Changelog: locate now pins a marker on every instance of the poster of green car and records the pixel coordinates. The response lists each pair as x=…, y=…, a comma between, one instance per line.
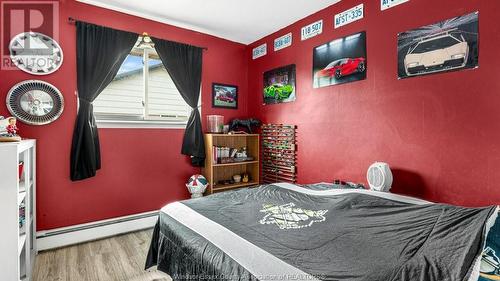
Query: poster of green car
x=279, y=85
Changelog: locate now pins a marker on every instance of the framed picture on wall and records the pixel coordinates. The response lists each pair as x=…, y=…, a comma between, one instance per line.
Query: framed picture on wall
x=445, y=46
x=279, y=85
x=224, y=96
x=340, y=61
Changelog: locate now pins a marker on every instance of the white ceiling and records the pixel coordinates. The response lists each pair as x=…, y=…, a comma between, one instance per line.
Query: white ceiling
x=241, y=21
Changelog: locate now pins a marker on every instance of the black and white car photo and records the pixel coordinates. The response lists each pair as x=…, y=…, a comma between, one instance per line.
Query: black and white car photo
x=436, y=53
x=445, y=46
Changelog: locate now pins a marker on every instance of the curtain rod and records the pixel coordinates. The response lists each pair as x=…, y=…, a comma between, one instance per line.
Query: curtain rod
x=73, y=21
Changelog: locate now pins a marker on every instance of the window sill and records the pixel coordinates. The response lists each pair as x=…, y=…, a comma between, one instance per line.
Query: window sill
x=114, y=124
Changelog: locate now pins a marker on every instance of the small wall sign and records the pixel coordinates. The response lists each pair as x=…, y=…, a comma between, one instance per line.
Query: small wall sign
x=259, y=51
x=314, y=29
x=283, y=42
x=349, y=16
x=386, y=4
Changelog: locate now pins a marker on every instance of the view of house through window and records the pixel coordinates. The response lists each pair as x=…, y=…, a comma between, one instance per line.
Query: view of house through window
x=141, y=91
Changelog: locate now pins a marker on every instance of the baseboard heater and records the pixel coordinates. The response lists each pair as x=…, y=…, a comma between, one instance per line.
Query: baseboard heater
x=76, y=234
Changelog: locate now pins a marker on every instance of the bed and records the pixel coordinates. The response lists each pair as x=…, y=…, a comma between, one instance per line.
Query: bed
x=290, y=232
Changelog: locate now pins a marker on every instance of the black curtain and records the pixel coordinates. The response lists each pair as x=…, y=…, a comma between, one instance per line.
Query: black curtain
x=100, y=53
x=183, y=63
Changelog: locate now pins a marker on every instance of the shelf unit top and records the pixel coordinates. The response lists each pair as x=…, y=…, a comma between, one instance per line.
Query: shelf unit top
x=22, y=145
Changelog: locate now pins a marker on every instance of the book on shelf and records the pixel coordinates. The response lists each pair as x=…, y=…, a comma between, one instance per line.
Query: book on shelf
x=225, y=155
x=22, y=215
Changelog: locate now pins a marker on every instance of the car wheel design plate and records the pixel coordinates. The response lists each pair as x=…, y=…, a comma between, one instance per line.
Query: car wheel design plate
x=35, y=102
x=35, y=53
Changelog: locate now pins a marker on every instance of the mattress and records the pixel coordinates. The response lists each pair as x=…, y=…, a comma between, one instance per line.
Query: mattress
x=287, y=232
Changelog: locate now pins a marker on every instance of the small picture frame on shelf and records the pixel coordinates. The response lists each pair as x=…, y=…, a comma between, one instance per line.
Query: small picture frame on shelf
x=224, y=96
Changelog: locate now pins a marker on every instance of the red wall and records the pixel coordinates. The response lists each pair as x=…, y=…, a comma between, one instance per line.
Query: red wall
x=440, y=133
x=142, y=168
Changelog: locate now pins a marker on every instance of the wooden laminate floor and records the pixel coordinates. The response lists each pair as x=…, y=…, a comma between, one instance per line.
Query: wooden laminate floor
x=119, y=258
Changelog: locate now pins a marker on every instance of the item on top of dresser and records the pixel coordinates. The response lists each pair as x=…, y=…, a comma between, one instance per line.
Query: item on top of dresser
x=379, y=177
x=8, y=130
x=246, y=123
x=3, y=125
x=12, y=127
x=237, y=178
x=215, y=123
x=197, y=185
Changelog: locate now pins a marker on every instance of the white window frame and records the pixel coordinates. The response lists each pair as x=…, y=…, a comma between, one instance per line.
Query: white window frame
x=150, y=122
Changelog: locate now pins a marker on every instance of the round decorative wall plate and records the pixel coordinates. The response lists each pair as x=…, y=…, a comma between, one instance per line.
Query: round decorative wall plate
x=35, y=102
x=35, y=53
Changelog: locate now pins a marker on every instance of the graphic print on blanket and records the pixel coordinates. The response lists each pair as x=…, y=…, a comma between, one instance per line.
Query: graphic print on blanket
x=287, y=217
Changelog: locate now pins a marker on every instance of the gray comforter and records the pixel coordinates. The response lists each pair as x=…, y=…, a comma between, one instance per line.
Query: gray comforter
x=323, y=235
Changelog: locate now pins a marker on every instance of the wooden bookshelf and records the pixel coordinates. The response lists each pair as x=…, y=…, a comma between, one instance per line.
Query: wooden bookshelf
x=217, y=172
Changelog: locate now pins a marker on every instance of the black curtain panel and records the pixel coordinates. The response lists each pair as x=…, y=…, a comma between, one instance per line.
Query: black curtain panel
x=100, y=53
x=183, y=63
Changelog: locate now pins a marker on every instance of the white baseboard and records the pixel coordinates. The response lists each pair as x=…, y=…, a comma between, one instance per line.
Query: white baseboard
x=60, y=237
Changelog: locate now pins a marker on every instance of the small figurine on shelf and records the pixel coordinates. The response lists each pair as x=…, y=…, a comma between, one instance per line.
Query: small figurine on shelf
x=237, y=178
x=9, y=130
x=242, y=153
x=12, y=128
x=245, y=178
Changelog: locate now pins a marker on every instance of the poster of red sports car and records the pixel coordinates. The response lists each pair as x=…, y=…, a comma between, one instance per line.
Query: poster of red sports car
x=340, y=61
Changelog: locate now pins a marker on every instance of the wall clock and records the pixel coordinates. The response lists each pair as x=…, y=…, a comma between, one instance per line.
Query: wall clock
x=35, y=102
x=35, y=53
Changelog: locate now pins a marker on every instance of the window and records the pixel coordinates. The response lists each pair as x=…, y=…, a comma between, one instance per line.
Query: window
x=436, y=44
x=141, y=93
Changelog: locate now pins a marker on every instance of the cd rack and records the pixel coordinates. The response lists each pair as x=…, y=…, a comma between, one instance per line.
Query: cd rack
x=279, y=153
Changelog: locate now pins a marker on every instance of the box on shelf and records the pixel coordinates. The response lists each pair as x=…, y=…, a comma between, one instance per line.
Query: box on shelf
x=215, y=123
